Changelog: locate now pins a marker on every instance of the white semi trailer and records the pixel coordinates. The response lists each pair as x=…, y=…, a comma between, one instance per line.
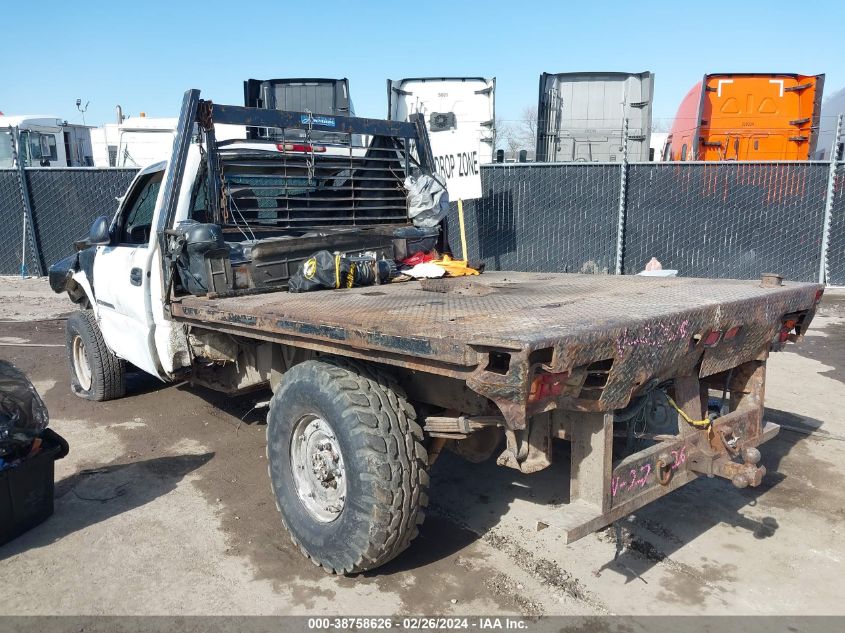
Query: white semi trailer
x=584, y=117
x=460, y=114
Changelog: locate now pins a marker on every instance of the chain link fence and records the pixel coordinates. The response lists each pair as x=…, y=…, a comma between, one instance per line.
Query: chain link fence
x=726, y=219
x=64, y=204
x=734, y=220
x=66, y=201
x=12, y=216
x=542, y=218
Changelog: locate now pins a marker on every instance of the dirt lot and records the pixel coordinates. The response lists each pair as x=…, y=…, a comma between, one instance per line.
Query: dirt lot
x=163, y=507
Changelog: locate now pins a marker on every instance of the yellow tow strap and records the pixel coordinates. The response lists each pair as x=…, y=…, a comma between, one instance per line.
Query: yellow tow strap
x=337, y=271
x=455, y=267
x=699, y=424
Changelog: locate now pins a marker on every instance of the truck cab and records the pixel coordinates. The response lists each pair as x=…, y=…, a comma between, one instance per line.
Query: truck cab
x=311, y=191
x=460, y=115
x=45, y=141
x=41, y=143
x=748, y=116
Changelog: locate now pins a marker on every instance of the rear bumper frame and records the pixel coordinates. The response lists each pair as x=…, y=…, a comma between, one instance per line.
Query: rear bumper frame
x=603, y=491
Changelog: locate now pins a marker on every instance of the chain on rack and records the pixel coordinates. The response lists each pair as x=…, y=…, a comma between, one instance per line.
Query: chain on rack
x=309, y=160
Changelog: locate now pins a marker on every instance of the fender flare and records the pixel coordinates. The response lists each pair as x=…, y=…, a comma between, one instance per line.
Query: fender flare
x=79, y=290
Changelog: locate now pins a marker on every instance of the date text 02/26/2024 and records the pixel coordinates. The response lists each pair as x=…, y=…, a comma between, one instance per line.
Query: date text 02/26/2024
x=418, y=623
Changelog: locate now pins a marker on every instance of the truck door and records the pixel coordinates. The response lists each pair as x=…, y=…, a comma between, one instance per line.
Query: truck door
x=121, y=280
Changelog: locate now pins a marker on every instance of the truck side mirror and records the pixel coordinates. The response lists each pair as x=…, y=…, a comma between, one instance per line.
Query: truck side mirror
x=99, y=235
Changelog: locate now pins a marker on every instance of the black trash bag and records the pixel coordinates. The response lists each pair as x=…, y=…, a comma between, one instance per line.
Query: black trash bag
x=23, y=415
x=324, y=270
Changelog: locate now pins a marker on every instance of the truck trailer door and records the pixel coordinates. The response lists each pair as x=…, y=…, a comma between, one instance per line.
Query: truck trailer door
x=460, y=115
x=121, y=283
x=464, y=104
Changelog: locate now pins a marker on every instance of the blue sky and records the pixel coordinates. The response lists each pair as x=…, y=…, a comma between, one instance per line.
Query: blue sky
x=143, y=55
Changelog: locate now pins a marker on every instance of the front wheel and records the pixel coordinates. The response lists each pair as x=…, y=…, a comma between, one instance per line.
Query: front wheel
x=95, y=373
x=346, y=464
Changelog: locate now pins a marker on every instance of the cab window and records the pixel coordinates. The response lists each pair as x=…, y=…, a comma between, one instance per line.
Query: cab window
x=684, y=151
x=48, y=147
x=41, y=147
x=136, y=219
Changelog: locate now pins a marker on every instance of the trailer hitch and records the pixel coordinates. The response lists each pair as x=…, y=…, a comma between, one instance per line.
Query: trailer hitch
x=726, y=464
x=745, y=474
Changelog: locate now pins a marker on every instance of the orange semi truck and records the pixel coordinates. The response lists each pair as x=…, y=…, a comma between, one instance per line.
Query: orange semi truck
x=754, y=116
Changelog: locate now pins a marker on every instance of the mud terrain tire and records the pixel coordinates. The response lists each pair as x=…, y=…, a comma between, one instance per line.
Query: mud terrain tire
x=366, y=425
x=95, y=373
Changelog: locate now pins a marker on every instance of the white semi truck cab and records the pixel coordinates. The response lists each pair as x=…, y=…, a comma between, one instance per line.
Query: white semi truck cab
x=45, y=141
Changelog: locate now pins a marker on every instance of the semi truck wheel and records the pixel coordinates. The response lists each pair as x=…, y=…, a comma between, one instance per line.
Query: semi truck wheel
x=346, y=462
x=95, y=373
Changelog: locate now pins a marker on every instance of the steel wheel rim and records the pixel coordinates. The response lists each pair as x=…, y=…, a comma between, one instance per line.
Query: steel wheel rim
x=317, y=467
x=80, y=363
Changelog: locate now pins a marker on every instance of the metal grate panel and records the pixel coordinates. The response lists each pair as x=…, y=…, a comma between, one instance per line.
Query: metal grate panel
x=349, y=187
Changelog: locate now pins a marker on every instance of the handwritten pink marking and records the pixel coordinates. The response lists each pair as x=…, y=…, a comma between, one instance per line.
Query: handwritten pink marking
x=617, y=484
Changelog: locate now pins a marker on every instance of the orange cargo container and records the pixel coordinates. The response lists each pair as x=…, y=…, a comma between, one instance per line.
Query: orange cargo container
x=736, y=116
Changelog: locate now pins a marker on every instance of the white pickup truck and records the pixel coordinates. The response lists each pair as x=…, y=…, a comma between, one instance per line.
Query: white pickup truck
x=189, y=280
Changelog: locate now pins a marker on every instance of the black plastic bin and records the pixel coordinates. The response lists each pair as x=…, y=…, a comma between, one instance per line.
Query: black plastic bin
x=410, y=240
x=26, y=490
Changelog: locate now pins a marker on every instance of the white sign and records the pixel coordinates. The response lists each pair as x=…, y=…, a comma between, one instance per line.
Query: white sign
x=456, y=161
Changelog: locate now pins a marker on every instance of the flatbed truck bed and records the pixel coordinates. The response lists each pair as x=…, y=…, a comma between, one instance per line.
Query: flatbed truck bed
x=451, y=326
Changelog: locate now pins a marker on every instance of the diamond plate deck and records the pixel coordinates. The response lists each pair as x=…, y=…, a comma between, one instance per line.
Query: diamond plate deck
x=518, y=311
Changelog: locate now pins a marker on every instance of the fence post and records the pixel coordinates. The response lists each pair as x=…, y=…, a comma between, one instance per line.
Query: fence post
x=28, y=225
x=623, y=183
x=828, y=203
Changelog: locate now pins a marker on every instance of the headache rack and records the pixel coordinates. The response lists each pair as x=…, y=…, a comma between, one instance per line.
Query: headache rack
x=291, y=180
x=304, y=185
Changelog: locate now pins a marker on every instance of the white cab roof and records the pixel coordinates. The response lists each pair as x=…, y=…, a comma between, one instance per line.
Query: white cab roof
x=43, y=120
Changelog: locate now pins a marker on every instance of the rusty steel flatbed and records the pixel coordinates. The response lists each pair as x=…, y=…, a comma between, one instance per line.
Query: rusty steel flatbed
x=644, y=326
x=498, y=309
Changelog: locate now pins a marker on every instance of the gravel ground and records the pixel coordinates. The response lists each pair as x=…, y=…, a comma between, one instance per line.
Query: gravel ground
x=163, y=507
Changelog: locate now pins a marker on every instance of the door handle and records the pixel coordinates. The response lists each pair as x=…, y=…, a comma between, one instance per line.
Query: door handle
x=135, y=276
